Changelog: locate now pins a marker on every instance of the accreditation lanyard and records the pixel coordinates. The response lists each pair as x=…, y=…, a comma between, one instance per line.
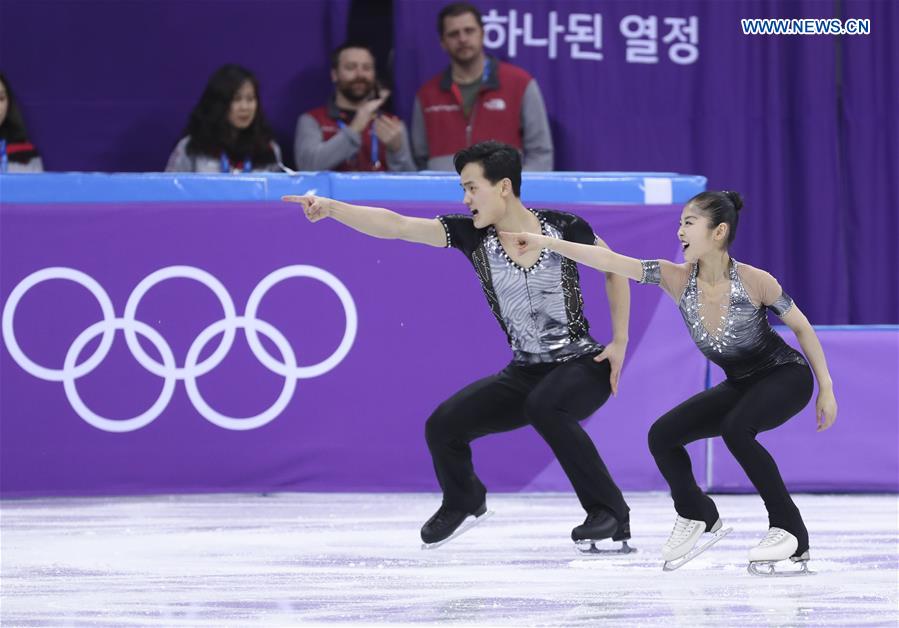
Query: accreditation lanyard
x=226, y=164
x=4, y=160
x=375, y=158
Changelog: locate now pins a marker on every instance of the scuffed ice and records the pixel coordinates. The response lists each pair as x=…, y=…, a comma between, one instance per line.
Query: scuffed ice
x=288, y=559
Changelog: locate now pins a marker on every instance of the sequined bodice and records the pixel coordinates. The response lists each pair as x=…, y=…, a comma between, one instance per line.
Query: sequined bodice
x=740, y=341
x=533, y=303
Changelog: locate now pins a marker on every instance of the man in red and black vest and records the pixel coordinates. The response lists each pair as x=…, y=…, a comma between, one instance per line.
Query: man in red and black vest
x=350, y=132
x=477, y=98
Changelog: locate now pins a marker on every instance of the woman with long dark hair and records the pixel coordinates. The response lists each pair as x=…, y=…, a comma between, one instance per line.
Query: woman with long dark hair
x=227, y=131
x=724, y=304
x=17, y=153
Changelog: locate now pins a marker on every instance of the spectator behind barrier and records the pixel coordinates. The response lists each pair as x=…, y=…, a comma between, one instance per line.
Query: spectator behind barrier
x=350, y=132
x=227, y=131
x=17, y=154
x=477, y=98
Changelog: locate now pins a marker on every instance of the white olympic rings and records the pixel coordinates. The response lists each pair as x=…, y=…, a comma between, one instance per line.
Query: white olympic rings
x=193, y=367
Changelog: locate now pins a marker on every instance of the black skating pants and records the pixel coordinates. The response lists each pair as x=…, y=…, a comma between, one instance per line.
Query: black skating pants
x=737, y=411
x=553, y=399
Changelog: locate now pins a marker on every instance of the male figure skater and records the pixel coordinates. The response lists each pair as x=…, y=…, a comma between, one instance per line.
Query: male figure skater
x=559, y=375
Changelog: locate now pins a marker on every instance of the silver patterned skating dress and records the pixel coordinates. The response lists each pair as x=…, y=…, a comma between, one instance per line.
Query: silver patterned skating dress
x=743, y=343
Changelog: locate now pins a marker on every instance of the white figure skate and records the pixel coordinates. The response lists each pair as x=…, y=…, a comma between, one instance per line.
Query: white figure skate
x=778, y=545
x=682, y=546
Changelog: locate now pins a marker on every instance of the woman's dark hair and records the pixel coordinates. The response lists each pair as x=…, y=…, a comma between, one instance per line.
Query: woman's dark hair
x=720, y=207
x=211, y=133
x=456, y=9
x=499, y=161
x=13, y=128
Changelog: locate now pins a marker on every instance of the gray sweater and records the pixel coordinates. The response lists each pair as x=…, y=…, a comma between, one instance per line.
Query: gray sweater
x=32, y=165
x=312, y=152
x=180, y=161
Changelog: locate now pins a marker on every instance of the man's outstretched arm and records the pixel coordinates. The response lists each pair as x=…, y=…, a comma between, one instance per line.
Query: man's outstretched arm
x=377, y=222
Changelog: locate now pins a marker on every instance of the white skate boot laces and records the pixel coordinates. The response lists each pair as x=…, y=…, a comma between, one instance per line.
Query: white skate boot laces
x=683, y=529
x=774, y=536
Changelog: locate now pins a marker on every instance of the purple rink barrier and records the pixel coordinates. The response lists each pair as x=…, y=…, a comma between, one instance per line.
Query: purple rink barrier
x=859, y=452
x=175, y=413
x=424, y=331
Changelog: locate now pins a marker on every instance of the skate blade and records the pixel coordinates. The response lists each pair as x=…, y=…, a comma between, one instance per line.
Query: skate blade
x=589, y=547
x=768, y=569
x=467, y=525
x=671, y=565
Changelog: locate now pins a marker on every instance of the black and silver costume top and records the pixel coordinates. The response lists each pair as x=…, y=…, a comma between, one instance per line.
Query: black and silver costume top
x=540, y=308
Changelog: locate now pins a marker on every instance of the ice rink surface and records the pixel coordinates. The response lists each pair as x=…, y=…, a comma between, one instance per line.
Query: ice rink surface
x=355, y=559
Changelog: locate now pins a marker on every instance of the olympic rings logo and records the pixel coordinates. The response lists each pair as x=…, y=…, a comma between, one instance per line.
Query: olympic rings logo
x=193, y=368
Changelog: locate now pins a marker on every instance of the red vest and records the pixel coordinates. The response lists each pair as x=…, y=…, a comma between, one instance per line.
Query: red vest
x=496, y=114
x=328, y=119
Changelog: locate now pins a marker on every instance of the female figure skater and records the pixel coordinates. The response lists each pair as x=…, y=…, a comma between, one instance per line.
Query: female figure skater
x=227, y=131
x=724, y=305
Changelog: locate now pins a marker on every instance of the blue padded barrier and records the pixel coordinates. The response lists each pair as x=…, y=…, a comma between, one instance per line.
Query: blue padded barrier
x=638, y=188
